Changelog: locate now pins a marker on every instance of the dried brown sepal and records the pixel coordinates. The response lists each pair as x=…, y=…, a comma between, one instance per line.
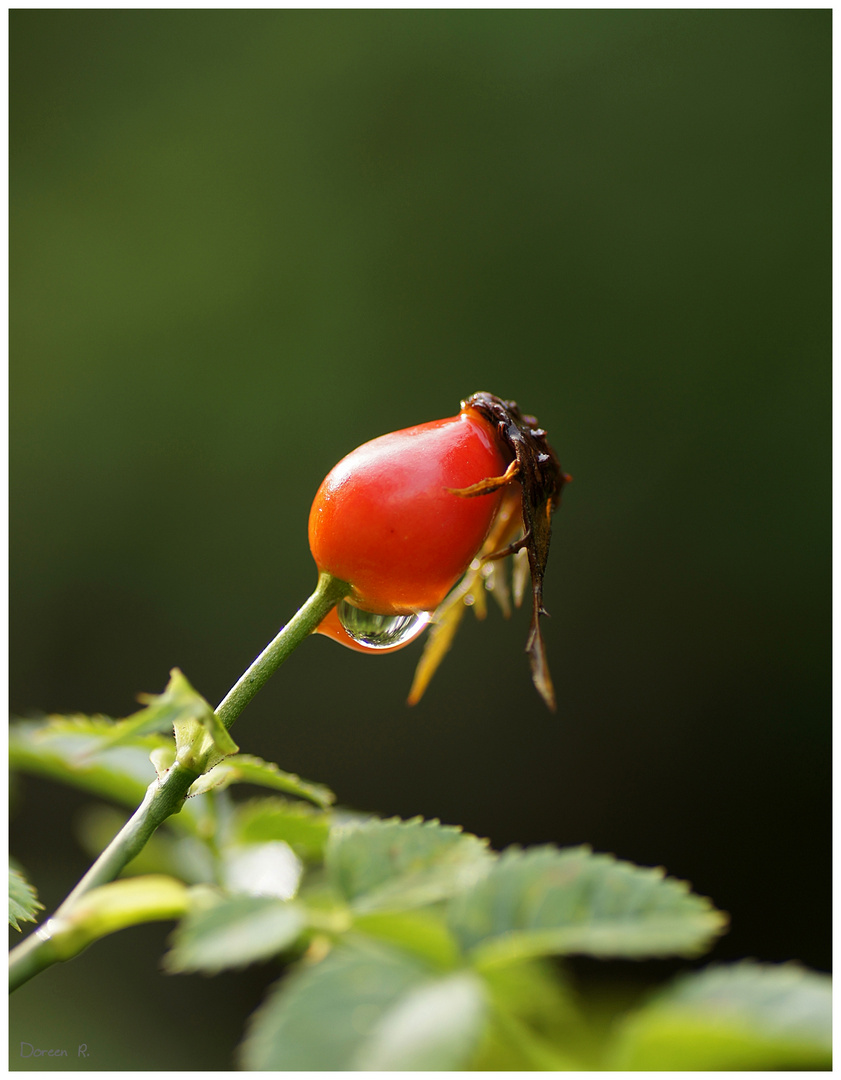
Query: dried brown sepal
x=492, y=483
x=448, y=616
x=542, y=480
x=447, y=620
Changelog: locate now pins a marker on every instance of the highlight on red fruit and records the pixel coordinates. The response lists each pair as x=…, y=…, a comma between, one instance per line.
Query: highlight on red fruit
x=402, y=518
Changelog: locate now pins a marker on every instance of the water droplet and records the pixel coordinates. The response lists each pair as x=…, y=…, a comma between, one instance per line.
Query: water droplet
x=380, y=631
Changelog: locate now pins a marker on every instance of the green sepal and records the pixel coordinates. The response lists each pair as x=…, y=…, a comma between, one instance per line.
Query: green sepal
x=163, y=758
x=201, y=739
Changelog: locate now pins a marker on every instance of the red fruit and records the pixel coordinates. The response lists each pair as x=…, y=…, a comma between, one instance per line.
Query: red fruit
x=385, y=520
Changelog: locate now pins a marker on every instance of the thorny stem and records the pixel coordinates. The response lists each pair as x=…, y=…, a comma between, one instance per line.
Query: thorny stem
x=165, y=795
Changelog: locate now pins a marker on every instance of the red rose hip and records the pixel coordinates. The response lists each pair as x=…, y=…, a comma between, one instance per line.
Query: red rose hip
x=386, y=521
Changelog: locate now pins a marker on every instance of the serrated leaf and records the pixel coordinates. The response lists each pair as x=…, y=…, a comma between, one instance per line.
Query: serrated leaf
x=435, y=1027
x=238, y=931
x=270, y=869
x=178, y=702
x=23, y=898
x=394, y=864
x=744, y=1016
x=420, y=932
x=301, y=826
x=60, y=749
x=544, y=901
x=247, y=769
x=354, y=1008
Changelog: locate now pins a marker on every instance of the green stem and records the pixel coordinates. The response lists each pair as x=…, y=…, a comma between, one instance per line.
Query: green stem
x=31, y=956
x=165, y=796
x=328, y=593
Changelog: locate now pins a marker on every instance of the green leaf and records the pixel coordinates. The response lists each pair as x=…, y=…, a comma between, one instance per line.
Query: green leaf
x=510, y=1045
x=177, y=706
x=65, y=748
x=394, y=864
x=115, y=906
x=744, y=1016
x=435, y=1027
x=199, y=734
x=270, y=869
x=168, y=851
x=61, y=747
x=536, y=992
x=421, y=932
x=367, y=1007
x=544, y=901
x=271, y=817
x=23, y=899
x=233, y=933
x=246, y=769
x=535, y=1022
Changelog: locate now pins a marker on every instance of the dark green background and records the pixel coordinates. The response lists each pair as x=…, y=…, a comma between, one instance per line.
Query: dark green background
x=244, y=242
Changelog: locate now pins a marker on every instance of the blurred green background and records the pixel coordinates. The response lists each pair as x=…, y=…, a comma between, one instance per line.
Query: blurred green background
x=244, y=242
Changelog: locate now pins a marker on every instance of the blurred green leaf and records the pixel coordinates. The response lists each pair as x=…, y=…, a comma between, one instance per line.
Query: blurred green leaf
x=366, y=1007
x=302, y=827
x=535, y=991
x=380, y=865
x=61, y=747
x=511, y=1045
x=745, y=1016
x=167, y=851
x=421, y=932
x=269, y=869
x=247, y=769
x=178, y=707
x=23, y=898
x=233, y=933
x=543, y=901
x=535, y=1021
x=115, y=906
x=434, y=1027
